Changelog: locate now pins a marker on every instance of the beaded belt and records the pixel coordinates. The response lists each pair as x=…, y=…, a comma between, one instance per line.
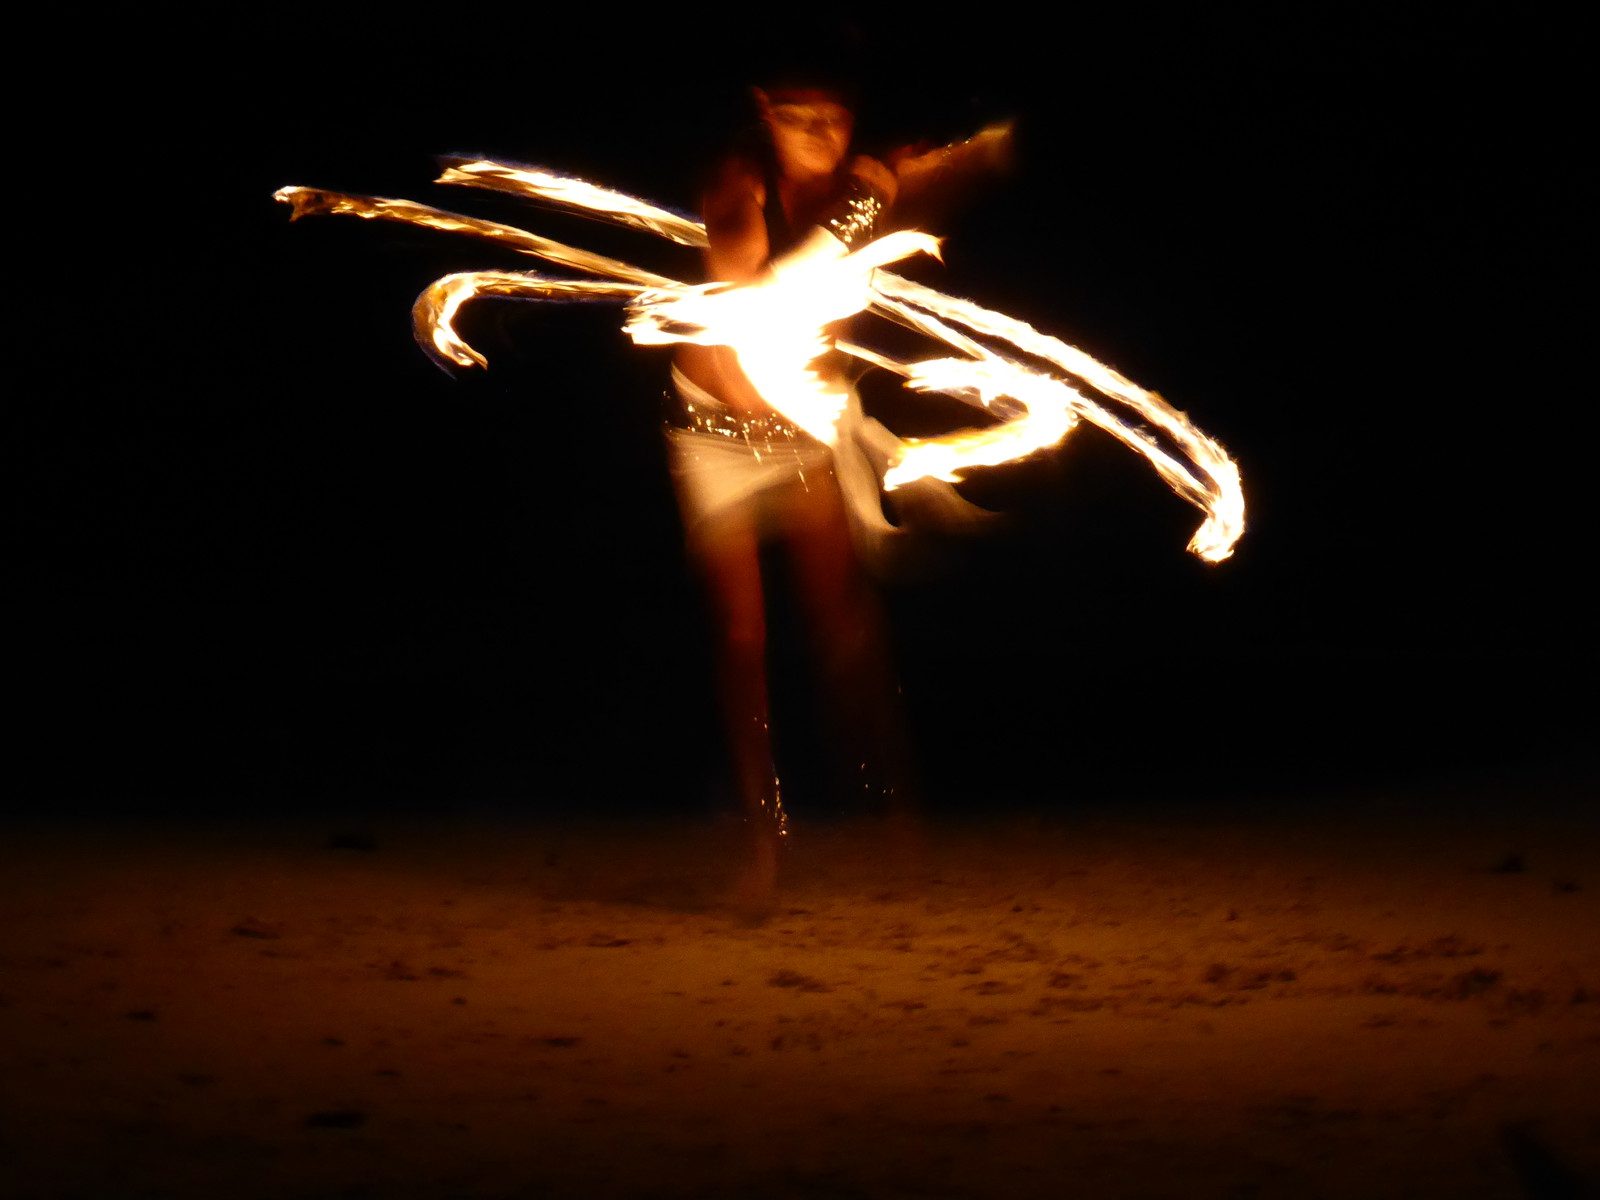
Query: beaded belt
x=695, y=410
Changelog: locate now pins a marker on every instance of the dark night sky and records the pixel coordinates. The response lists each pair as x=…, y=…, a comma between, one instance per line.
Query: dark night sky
x=270, y=554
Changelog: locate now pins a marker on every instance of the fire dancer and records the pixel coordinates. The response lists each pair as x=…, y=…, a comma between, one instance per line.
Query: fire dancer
x=768, y=442
x=791, y=458
x=745, y=475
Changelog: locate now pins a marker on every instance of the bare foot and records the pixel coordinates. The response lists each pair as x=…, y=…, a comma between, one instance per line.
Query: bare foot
x=755, y=892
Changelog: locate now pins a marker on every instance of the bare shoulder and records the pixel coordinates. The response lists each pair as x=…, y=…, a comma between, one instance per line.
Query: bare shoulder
x=735, y=226
x=736, y=181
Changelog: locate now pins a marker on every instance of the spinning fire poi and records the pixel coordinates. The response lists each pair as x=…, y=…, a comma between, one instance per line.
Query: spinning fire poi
x=767, y=437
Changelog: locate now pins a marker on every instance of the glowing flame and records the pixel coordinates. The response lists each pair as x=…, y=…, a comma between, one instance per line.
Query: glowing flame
x=777, y=328
x=535, y=184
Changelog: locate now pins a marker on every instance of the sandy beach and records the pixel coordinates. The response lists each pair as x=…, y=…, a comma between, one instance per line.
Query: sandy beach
x=1385, y=996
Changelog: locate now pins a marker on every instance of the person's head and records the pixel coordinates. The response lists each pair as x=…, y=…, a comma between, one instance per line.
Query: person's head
x=810, y=127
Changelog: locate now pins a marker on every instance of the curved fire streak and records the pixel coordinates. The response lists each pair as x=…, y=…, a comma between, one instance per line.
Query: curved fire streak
x=776, y=330
x=433, y=314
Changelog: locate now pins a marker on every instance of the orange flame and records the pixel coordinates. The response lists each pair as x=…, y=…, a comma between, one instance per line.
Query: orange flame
x=776, y=328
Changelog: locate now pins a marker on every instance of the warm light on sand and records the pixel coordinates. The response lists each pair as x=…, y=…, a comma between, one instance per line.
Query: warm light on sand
x=778, y=329
x=1122, y=1004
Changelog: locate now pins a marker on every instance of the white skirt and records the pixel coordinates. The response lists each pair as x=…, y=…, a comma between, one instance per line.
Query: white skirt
x=723, y=460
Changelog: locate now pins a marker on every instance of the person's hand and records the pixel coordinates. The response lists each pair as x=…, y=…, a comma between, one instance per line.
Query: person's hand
x=877, y=178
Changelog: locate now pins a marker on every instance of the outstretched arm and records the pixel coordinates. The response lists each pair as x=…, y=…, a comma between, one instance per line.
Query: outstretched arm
x=924, y=173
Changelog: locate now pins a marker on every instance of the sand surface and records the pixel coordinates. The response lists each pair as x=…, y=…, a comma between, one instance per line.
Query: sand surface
x=1363, y=1000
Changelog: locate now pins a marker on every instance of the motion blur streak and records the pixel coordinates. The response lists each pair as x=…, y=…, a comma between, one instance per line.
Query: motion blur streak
x=778, y=328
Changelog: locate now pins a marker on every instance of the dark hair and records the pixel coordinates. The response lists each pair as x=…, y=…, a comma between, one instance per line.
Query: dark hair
x=836, y=88
x=834, y=68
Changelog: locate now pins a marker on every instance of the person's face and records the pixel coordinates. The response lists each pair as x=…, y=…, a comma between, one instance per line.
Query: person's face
x=810, y=130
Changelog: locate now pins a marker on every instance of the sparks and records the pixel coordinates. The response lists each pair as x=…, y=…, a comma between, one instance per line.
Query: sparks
x=776, y=328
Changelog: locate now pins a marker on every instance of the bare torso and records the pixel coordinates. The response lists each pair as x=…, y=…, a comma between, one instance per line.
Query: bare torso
x=741, y=251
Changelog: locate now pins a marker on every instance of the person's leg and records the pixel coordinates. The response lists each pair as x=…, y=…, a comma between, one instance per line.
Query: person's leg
x=858, y=679
x=727, y=553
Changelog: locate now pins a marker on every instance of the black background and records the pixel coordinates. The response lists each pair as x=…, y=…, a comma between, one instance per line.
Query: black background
x=270, y=557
